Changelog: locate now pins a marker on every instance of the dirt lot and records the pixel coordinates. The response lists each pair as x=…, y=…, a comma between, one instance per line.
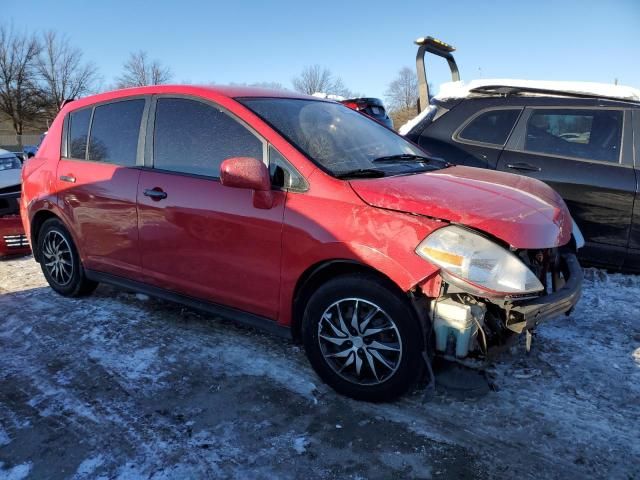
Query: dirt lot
x=122, y=386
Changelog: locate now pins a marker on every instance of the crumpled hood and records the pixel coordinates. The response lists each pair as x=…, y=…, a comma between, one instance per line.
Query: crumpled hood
x=521, y=211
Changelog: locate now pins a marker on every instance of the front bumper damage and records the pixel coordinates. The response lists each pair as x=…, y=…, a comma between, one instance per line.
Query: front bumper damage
x=466, y=323
x=529, y=313
x=13, y=241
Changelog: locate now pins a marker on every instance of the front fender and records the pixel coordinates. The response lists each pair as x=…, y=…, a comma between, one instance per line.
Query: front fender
x=380, y=240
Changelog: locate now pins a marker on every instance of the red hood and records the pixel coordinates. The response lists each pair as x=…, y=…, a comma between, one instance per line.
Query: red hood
x=521, y=211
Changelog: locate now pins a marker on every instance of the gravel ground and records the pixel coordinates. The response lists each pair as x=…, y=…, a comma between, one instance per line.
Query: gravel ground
x=118, y=385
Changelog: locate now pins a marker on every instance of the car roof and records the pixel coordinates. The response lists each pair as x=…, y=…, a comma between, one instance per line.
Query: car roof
x=484, y=88
x=231, y=91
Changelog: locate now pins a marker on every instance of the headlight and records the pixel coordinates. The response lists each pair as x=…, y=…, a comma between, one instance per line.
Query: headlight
x=481, y=262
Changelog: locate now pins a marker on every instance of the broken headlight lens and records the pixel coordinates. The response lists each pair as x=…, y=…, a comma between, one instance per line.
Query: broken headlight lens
x=476, y=260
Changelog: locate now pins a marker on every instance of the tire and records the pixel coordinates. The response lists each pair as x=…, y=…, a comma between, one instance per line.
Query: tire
x=60, y=261
x=377, y=362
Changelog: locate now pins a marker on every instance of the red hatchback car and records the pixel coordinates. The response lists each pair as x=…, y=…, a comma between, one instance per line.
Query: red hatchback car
x=302, y=216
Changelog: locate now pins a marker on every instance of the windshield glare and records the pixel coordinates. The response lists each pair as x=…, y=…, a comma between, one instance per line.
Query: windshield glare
x=9, y=162
x=333, y=135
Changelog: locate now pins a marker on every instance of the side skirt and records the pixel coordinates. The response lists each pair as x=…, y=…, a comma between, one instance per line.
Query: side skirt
x=230, y=313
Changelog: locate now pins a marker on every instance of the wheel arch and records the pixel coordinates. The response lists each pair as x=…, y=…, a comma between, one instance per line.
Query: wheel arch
x=36, y=223
x=323, y=271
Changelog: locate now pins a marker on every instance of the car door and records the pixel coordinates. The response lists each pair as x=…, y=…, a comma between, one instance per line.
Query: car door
x=97, y=180
x=472, y=134
x=579, y=152
x=198, y=237
x=632, y=261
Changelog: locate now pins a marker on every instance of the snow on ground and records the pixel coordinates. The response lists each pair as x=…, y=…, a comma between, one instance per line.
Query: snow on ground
x=19, y=472
x=122, y=386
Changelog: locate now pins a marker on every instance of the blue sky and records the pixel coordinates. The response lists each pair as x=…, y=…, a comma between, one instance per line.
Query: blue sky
x=364, y=42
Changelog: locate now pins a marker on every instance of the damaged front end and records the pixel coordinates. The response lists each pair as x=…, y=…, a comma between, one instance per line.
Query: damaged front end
x=490, y=294
x=12, y=238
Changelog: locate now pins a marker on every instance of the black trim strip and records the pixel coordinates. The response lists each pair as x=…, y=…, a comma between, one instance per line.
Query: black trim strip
x=548, y=306
x=233, y=314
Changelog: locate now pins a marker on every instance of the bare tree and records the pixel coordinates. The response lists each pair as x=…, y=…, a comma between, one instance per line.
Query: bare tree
x=315, y=78
x=402, y=93
x=63, y=73
x=19, y=98
x=339, y=88
x=140, y=71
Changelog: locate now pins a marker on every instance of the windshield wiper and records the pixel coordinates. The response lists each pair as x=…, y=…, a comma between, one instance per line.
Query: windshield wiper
x=361, y=173
x=406, y=157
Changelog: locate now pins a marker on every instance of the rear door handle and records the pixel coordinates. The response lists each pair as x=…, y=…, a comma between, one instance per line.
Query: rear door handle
x=68, y=178
x=155, y=193
x=524, y=166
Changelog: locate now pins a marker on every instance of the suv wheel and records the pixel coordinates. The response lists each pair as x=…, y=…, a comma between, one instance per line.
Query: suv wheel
x=362, y=338
x=60, y=261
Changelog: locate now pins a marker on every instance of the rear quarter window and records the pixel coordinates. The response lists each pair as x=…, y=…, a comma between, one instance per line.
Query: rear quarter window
x=78, y=132
x=114, y=132
x=491, y=127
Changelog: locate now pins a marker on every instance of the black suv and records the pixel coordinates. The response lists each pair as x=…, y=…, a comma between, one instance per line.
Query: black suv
x=583, y=140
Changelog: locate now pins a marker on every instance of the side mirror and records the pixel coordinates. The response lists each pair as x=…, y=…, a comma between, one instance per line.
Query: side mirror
x=249, y=173
x=30, y=155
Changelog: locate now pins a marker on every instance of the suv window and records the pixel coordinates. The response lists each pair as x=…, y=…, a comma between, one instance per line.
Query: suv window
x=78, y=131
x=580, y=133
x=491, y=127
x=114, y=132
x=193, y=137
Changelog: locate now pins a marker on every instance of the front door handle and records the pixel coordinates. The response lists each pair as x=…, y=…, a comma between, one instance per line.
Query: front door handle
x=155, y=193
x=524, y=166
x=68, y=178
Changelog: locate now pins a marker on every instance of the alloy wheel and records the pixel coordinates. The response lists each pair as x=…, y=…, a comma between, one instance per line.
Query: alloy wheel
x=359, y=341
x=57, y=257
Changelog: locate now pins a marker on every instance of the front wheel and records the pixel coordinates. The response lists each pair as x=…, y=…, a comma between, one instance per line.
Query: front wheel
x=60, y=261
x=363, y=338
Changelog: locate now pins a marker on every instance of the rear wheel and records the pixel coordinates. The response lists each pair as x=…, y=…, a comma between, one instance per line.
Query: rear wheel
x=362, y=338
x=60, y=261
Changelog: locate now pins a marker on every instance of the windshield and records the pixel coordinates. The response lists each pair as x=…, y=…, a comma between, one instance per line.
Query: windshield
x=8, y=161
x=339, y=139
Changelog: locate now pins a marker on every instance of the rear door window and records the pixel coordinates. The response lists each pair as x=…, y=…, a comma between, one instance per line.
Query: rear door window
x=115, y=130
x=578, y=133
x=194, y=137
x=78, y=131
x=492, y=127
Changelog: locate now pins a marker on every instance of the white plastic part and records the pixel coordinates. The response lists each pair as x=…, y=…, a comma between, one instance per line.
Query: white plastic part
x=577, y=235
x=454, y=318
x=478, y=260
